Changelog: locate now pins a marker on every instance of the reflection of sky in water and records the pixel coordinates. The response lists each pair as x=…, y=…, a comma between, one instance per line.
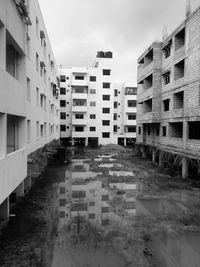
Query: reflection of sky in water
x=121, y=173
x=175, y=251
x=109, y=165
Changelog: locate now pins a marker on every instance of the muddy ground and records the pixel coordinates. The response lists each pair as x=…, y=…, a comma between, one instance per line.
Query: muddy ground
x=29, y=238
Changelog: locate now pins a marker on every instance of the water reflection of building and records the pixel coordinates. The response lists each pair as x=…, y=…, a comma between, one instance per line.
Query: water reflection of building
x=82, y=200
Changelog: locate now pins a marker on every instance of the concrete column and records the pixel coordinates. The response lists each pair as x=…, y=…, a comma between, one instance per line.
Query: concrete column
x=19, y=191
x=154, y=155
x=160, y=160
x=27, y=184
x=124, y=141
x=184, y=167
x=72, y=141
x=4, y=210
x=144, y=154
x=86, y=141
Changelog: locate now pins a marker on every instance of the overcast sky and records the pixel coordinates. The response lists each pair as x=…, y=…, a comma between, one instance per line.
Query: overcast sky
x=79, y=28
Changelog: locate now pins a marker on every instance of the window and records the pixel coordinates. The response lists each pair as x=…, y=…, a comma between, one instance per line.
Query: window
x=116, y=92
x=79, y=77
x=92, y=129
x=131, y=129
x=115, y=116
x=194, y=130
x=180, y=39
x=105, y=197
x=14, y=128
x=148, y=82
x=79, y=116
x=92, y=104
x=106, y=85
x=166, y=77
x=37, y=27
x=105, y=209
x=92, y=78
x=41, y=130
x=147, y=106
x=12, y=61
x=139, y=130
x=62, y=103
x=179, y=70
x=131, y=116
x=45, y=129
x=157, y=130
x=105, y=110
x=105, y=222
x=62, y=90
x=79, y=102
x=79, y=129
x=28, y=88
x=105, y=122
x=92, y=203
x=62, y=115
x=115, y=104
x=166, y=104
x=62, y=128
x=92, y=116
x=176, y=129
x=106, y=97
x=131, y=103
x=115, y=129
x=37, y=62
x=164, y=130
x=92, y=91
x=105, y=135
x=179, y=100
x=167, y=49
x=28, y=45
x=28, y=130
x=91, y=215
x=62, y=78
x=106, y=72
x=149, y=130
x=37, y=129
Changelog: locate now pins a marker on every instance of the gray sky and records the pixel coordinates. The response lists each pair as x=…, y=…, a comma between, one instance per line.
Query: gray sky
x=79, y=28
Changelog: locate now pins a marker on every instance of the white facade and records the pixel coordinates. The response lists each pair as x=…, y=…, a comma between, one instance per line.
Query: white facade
x=87, y=97
x=25, y=91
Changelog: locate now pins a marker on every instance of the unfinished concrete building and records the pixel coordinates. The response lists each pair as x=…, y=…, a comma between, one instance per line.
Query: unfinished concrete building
x=168, y=107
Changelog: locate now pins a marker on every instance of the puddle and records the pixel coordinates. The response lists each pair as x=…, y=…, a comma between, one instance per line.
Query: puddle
x=88, y=210
x=182, y=251
x=159, y=206
x=109, y=165
x=121, y=173
x=124, y=186
x=107, y=155
x=98, y=159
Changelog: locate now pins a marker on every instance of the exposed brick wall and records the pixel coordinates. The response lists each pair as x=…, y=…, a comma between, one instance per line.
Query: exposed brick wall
x=189, y=83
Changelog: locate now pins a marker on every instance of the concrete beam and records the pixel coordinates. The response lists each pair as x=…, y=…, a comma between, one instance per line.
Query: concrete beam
x=4, y=210
x=184, y=167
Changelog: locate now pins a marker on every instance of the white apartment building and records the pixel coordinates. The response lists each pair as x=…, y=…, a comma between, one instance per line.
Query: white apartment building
x=29, y=104
x=93, y=109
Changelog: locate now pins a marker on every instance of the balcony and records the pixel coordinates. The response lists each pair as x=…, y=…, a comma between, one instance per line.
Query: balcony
x=79, y=121
x=79, y=95
x=80, y=109
x=12, y=94
x=130, y=122
x=79, y=82
x=13, y=170
x=145, y=70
